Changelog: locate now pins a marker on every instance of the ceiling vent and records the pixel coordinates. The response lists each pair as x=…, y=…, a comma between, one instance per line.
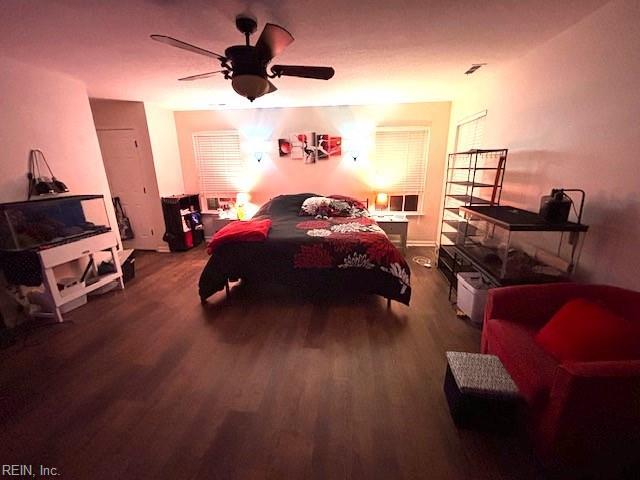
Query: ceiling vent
x=473, y=68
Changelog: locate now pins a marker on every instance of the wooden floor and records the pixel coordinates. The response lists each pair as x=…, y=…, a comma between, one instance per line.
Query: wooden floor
x=270, y=383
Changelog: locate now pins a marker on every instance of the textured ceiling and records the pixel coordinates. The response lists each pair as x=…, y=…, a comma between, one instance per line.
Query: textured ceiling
x=382, y=50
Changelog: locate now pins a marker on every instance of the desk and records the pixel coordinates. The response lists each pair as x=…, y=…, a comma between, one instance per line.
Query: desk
x=394, y=225
x=68, y=252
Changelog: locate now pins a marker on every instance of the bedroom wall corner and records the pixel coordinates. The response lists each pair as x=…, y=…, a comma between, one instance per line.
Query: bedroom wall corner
x=164, y=147
x=568, y=112
x=43, y=109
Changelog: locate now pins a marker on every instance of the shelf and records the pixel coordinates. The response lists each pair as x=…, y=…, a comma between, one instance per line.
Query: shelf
x=471, y=230
x=480, y=151
x=518, y=220
x=453, y=236
x=76, y=293
x=446, y=262
x=461, y=177
x=470, y=200
x=472, y=184
x=454, y=210
x=477, y=254
x=471, y=168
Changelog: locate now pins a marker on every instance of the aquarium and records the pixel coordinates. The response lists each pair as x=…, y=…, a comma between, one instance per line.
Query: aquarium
x=515, y=246
x=52, y=221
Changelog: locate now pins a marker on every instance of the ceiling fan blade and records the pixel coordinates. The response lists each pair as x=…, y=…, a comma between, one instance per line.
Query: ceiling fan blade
x=199, y=76
x=272, y=88
x=273, y=40
x=186, y=46
x=320, y=73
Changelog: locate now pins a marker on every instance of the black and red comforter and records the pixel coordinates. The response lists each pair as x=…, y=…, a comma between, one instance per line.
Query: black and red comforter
x=345, y=254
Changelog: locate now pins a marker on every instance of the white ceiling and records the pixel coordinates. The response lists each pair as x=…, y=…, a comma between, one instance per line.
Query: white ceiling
x=382, y=50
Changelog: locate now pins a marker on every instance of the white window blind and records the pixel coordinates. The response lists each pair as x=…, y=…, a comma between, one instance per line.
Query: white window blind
x=401, y=156
x=219, y=162
x=470, y=134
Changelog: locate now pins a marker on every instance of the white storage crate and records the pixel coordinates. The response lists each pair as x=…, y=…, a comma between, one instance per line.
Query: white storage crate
x=472, y=295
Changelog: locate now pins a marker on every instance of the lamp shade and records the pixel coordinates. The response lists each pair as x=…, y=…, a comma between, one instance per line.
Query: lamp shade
x=382, y=200
x=242, y=198
x=250, y=86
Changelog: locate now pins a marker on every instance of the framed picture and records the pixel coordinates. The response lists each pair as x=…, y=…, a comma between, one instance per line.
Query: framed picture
x=284, y=147
x=335, y=146
x=322, y=146
x=310, y=146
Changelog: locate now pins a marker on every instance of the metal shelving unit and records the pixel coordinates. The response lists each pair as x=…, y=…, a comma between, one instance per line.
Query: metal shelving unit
x=473, y=178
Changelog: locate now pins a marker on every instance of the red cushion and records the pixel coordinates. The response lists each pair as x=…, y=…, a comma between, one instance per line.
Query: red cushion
x=585, y=331
x=531, y=367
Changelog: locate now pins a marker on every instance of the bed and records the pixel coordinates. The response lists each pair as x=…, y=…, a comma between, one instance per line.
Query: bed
x=346, y=254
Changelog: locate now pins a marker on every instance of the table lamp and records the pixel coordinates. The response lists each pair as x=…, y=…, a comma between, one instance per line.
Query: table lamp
x=242, y=199
x=382, y=201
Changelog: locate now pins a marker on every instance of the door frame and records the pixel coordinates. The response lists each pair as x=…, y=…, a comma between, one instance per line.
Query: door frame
x=149, y=203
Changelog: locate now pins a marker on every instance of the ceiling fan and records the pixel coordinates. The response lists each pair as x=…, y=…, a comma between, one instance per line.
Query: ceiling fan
x=246, y=65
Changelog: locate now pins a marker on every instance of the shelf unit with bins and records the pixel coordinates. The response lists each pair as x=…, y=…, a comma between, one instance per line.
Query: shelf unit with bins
x=474, y=177
x=174, y=210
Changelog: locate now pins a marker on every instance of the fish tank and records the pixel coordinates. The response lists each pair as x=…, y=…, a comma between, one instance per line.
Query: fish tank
x=514, y=246
x=48, y=222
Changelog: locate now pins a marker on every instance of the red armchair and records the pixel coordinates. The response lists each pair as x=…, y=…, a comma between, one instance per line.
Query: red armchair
x=582, y=415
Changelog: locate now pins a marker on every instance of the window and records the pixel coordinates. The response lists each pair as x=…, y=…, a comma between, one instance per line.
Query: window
x=470, y=132
x=401, y=165
x=220, y=164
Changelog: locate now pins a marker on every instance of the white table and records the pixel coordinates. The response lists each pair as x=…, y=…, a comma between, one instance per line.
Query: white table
x=68, y=252
x=394, y=225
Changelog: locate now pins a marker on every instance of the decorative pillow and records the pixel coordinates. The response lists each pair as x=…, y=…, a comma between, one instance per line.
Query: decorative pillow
x=351, y=201
x=312, y=206
x=357, y=208
x=585, y=331
x=324, y=207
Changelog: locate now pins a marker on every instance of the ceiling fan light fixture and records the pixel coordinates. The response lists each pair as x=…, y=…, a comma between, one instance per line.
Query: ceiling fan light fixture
x=250, y=86
x=246, y=65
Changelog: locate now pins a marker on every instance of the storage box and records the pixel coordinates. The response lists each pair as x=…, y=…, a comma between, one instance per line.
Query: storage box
x=480, y=392
x=128, y=265
x=472, y=295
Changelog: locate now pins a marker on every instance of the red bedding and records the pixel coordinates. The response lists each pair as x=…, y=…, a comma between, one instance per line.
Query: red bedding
x=340, y=254
x=240, y=231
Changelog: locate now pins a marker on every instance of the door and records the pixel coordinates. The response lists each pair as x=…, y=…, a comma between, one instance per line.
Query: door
x=126, y=177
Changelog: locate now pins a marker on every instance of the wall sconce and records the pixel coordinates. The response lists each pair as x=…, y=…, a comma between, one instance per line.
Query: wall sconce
x=258, y=156
x=354, y=154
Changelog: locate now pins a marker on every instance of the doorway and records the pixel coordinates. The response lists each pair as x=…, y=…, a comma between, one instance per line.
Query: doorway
x=128, y=181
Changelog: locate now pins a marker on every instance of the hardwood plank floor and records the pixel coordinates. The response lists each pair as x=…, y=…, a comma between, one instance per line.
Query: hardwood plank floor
x=269, y=383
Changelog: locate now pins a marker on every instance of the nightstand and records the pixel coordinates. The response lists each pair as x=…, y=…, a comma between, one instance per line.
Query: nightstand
x=394, y=225
x=213, y=223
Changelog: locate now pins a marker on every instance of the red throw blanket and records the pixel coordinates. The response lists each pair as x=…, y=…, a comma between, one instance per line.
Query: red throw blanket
x=240, y=231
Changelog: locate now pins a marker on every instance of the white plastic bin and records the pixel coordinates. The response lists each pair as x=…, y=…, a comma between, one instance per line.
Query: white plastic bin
x=472, y=295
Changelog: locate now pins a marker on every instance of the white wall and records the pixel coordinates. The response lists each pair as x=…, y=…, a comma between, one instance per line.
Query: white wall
x=275, y=175
x=49, y=111
x=164, y=146
x=569, y=112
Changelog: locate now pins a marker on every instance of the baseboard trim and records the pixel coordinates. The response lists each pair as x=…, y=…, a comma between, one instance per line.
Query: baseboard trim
x=421, y=243
x=163, y=249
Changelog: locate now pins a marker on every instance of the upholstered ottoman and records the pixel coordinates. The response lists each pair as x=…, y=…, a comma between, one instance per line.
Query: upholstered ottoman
x=480, y=392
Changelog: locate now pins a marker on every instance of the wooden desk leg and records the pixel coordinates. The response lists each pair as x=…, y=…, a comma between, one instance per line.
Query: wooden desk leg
x=403, y=240
x=116, y=264
x=51, y=286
